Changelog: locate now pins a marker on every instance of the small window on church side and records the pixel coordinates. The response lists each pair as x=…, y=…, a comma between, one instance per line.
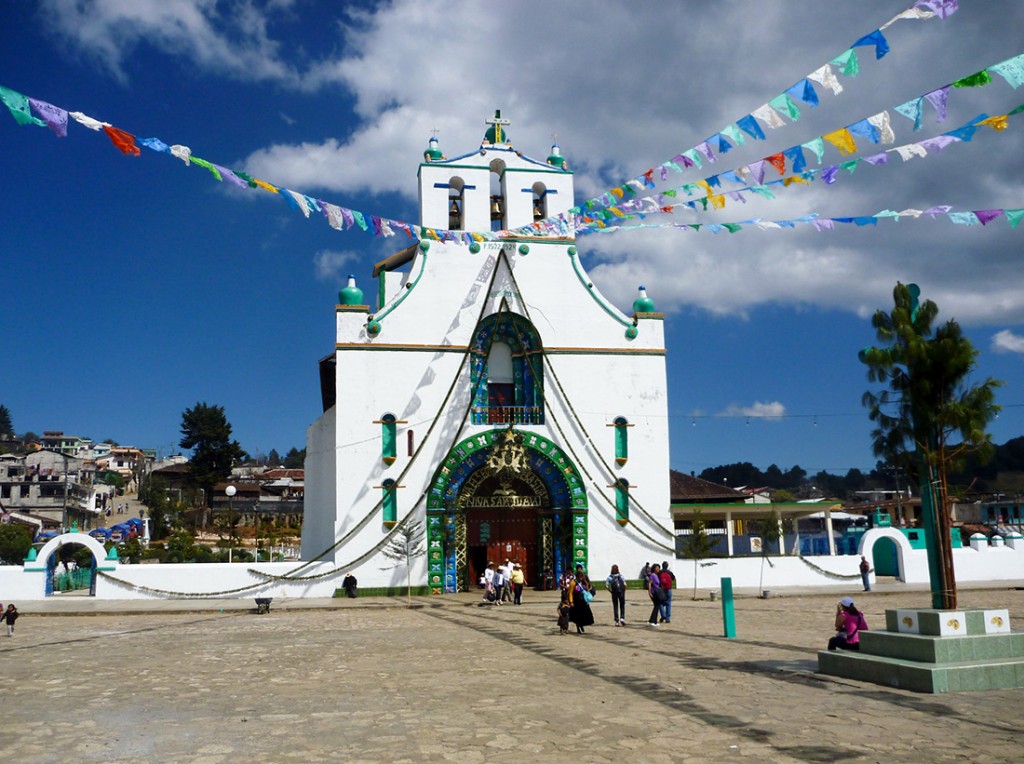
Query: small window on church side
x=389, y=439
x=390, y=503
x=621, y=440
x=622, y=501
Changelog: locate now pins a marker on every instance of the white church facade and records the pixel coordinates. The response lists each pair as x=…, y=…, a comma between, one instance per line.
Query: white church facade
x=494, y=396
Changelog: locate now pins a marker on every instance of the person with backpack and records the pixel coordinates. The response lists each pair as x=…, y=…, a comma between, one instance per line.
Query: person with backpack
x=657, y=595
x=849, y=624
x=616, y=584
x=668, y=583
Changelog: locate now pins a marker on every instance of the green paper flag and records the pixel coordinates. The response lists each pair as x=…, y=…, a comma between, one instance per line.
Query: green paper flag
x=734, y=134
x=1014, y=216
x=977, y=80
x=783, y=103
x=693, y=156
x=203, y=163
x=817, y=146
x=732, y=227
x=847, y=63
x=18, y=106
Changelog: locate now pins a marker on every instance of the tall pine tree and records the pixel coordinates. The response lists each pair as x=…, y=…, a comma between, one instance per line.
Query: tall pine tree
x=205, y=430
x=928, y=416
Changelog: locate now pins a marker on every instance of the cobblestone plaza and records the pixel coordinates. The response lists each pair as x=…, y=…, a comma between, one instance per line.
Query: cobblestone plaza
x=371, y=680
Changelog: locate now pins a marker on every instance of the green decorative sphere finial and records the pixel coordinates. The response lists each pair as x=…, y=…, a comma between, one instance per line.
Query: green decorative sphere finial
x=555, y=158
x=351, y=294
x=643, y=303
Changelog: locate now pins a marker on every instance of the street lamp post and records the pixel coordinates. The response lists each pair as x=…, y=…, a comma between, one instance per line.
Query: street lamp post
x=230, y=491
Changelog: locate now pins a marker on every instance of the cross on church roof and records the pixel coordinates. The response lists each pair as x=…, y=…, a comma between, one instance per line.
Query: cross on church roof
x=496, y=122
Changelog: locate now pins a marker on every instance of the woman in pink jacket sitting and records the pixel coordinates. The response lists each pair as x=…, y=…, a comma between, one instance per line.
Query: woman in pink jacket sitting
x=849, y=624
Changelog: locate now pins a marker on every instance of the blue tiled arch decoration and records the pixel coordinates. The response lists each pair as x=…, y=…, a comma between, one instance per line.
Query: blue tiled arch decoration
x=559, y=474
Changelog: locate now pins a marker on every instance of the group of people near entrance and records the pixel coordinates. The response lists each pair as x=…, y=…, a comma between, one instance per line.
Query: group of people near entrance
x=503, y=583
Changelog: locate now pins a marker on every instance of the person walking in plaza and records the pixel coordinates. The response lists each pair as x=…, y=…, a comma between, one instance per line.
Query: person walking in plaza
x=668, y=582
x=506, y=573
x=10, y=616
x=518, y=582
x=656, y=594
x=498, y=584
x=578, y=599
x=865, y=573
x=849, y=624
x=616, y=584
x=645, y=574
x=489, y=582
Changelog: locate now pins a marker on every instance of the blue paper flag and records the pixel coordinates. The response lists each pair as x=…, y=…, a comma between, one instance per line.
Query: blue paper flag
x=795, y=156
x=865, y=129
x=877, y=39
x=804, y=91
x=750, y=126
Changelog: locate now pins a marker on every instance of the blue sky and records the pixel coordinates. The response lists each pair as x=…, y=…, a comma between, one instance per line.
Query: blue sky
x=135, y=287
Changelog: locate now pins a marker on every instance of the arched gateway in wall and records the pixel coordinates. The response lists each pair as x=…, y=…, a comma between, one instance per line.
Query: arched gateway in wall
x=504, y=493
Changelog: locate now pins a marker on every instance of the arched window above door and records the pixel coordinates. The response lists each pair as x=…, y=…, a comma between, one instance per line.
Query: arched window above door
x=507, y=373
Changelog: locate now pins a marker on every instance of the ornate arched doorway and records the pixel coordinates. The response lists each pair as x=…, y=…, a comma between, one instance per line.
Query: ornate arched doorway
x=505, y=493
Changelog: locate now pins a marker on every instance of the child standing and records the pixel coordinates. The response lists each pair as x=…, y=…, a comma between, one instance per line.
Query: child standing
x=10, y=616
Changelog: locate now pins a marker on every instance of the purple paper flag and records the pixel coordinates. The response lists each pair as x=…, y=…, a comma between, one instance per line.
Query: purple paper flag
x=938, y=143
x=757, y=170
x=941, y=8
x=987, y=216
x=705, y=149
x=54, y=116
x=937, y=98
x=230, y=177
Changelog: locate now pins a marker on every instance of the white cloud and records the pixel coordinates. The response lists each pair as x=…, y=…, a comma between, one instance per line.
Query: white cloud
x=1007, y=342
x=329, y=264
x=228, y=38
x=772, y=410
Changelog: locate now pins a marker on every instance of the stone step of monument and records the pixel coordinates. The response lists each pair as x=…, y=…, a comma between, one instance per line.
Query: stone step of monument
x=948, y=623
x=926, y=648
x=961, y=676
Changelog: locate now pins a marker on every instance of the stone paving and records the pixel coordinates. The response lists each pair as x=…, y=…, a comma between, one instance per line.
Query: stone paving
x=370, y=680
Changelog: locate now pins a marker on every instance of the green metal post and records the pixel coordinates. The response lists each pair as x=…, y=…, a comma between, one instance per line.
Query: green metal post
x=728, y=614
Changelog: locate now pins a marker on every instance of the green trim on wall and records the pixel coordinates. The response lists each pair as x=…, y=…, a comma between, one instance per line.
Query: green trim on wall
x=589, y=286
x=386, y=591
x=484, y=440
x=377, y=318
x=463, y=348
x=551, y=171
